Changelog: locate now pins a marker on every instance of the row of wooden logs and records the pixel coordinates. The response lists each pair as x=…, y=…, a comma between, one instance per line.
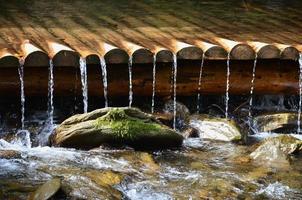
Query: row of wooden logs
x=273, y=76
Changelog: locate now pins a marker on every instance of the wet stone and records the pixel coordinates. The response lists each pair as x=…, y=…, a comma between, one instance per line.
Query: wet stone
x=47, y=190
x=9, y=154
x=285, y=122
x=277, y=149
x=214, y=128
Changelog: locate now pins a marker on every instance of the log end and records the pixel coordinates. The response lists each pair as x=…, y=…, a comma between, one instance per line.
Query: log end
x=9, y=61
x=116, y=56
x=164, y=56
x=268, y=52
x=242, y=52
x=142, y=56
x=66, y=58
x=36, y=59
x=290, y=53
x=190, y=53
x=216, y=53
x=93, y=59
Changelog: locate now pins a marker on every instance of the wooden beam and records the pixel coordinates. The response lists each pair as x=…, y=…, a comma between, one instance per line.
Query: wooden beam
x=272, y=77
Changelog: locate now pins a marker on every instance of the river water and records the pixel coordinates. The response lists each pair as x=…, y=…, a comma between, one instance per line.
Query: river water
x=200, y=169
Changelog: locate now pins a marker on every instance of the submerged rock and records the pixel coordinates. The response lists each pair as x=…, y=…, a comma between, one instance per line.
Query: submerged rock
x=215, y=128
x=47, y=190
x=277, y=149
x=115, y=126
x=285, y=122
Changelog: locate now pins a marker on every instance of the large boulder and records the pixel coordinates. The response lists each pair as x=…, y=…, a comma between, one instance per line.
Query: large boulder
x=285, y=122
x=115, y=126
x=277, y=149
x=214, y=128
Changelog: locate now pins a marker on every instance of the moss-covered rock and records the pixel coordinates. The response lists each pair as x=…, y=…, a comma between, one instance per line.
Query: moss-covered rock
x=214, y=128
x=277, y=149
x=115, y=126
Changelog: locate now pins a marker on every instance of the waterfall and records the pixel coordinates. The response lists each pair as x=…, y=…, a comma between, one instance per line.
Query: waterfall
x=105, y=83
x=252, y=90
x=153, y=83
x=199, y=83
x=300, y=94
x=22, y=94
x=50, y=92
x=174, y=89
x=130, y=81
x=43, y=136
x=227, y=86
x=83, y=70
x=171, y=78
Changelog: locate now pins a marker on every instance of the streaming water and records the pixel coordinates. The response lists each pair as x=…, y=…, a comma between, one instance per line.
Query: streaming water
x=22, y=94
x=252, y=90
x=43, y=136
x=83, y=70
x=105, y=83
x=130, y=81
x=300, y=94
x=153, y=83
x=174, y=89
x=199, y=83
x=50, y=92
x=171, y=79
x=227, y=87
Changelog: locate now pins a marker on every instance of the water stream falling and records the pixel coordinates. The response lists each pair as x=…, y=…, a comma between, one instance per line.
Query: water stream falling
x=174, y=89
x=83, y=70
x=130, y=81
x=22, y=94
x=300, y=94
x=252, y=90
x=105, y=83
x=199, y=83
x=153, y=83
x=227, y=87
x=50, y=92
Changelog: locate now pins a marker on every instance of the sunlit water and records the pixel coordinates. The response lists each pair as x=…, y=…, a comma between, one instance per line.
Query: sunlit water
x=252, y=90
x=227, y=87
x=22, y=94
x=104, y=77
x=201, y=169
x=130, y=81
x=199, y=83
x=153, y=83
x=83, y=69
x=174, y=89
x=50, y=92
x=300, y=94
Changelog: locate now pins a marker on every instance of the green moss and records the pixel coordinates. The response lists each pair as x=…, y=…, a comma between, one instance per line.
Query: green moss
x=126, y=127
